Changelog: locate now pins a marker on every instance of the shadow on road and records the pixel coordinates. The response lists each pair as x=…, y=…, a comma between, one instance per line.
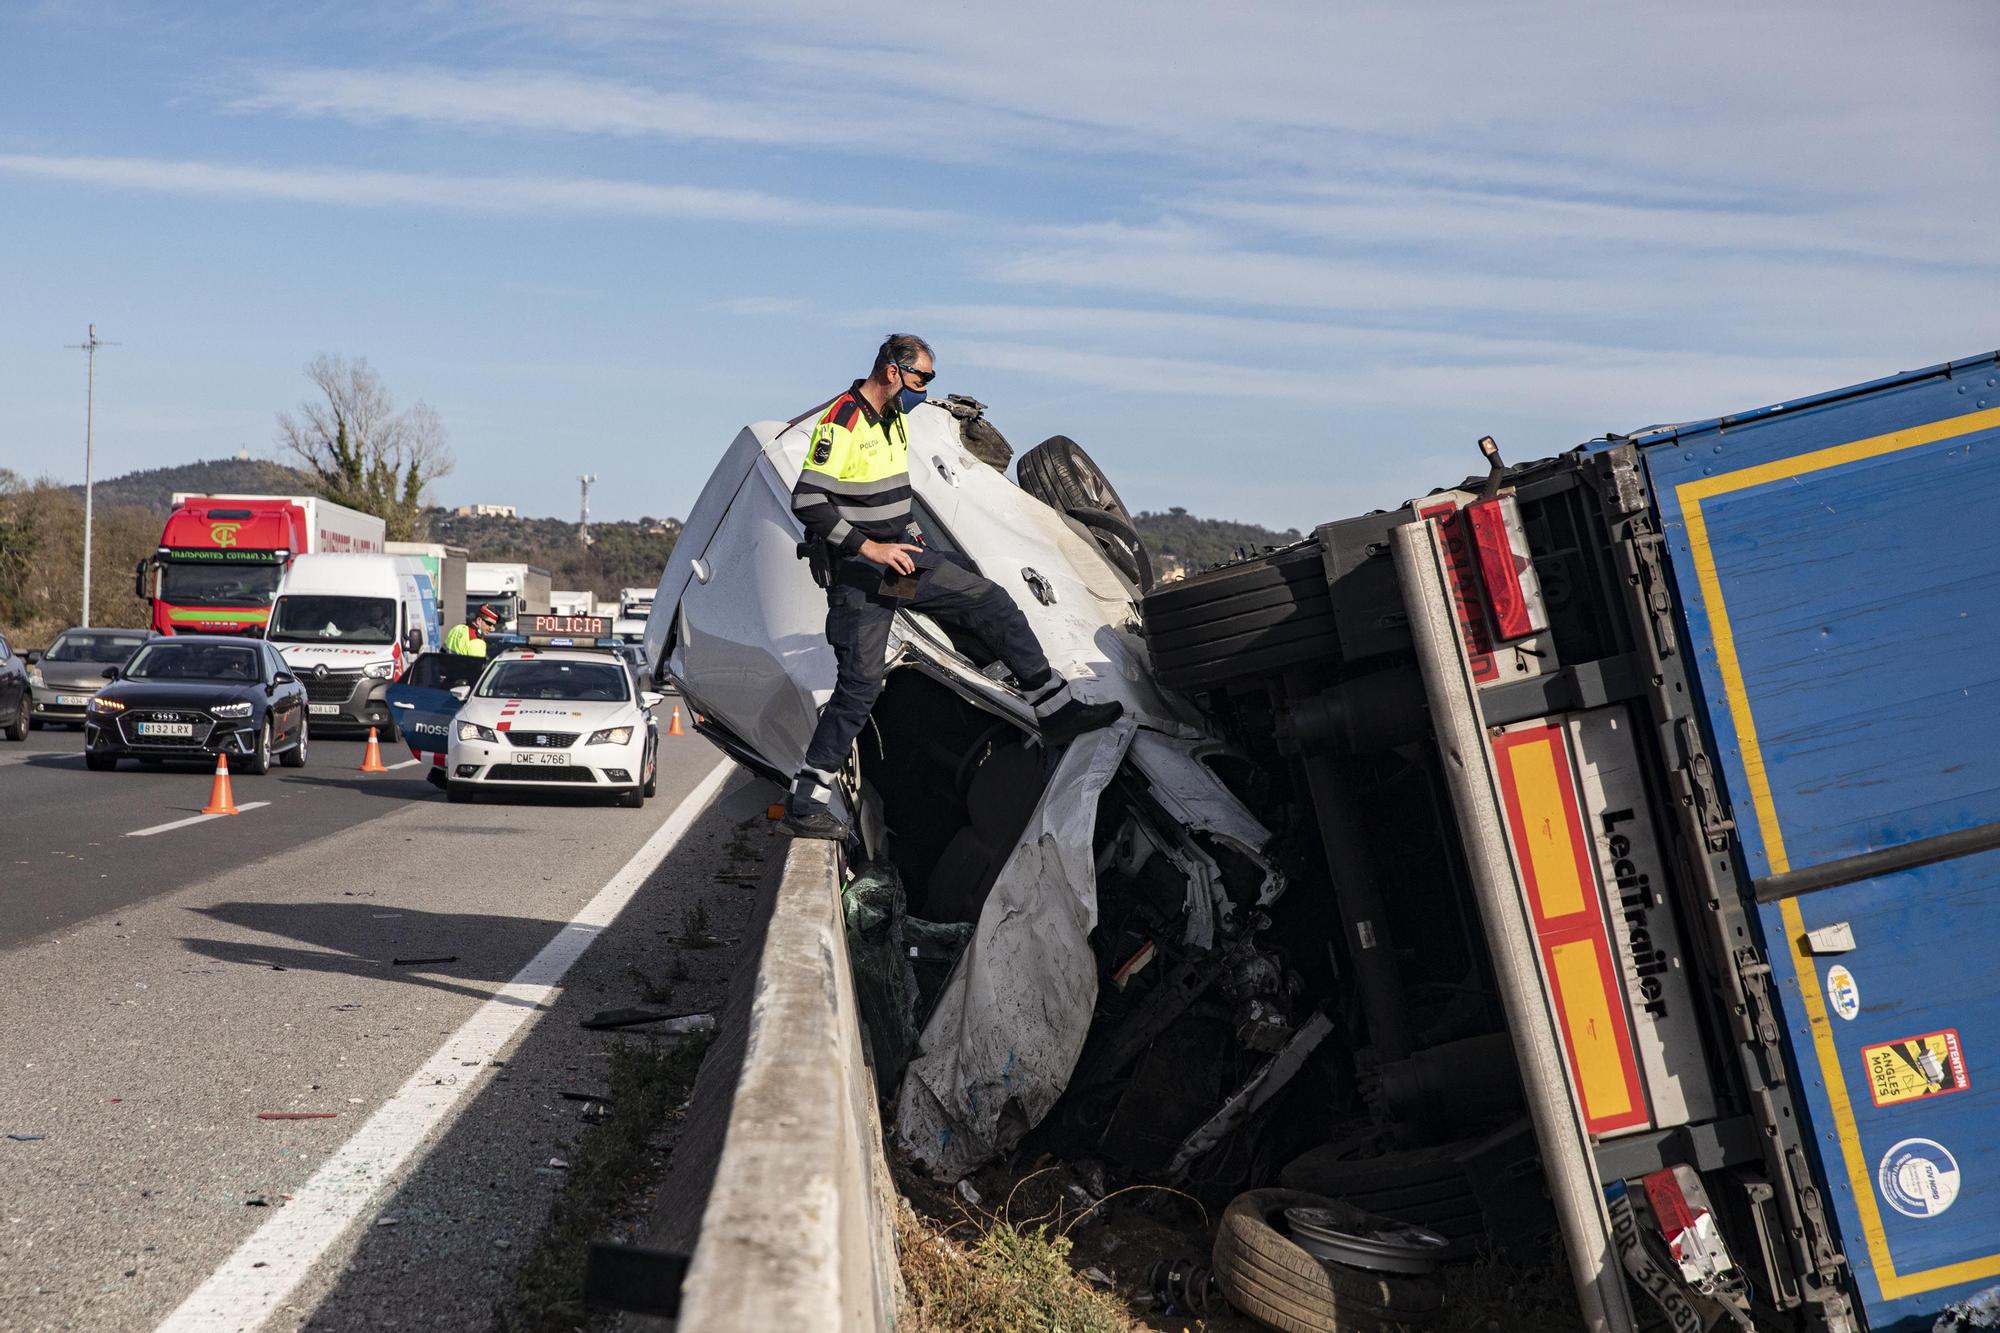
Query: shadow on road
x=363, y=938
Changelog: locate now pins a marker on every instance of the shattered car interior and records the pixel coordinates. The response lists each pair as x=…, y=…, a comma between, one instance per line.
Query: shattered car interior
x=1232, y=942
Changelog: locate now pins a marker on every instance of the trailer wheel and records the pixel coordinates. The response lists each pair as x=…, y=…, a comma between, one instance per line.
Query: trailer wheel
x=1241, y=621
x=1275, y=1282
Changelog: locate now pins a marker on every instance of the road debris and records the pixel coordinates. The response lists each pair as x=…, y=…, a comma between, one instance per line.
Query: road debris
x=673, y=1024
x=27, y=1138
x=420, y=962
x=297, y=1115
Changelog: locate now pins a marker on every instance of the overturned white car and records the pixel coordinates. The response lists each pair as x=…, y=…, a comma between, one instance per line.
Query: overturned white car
x=1116, y=868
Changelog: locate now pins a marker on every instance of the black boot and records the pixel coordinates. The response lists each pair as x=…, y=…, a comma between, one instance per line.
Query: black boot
x=1076, y=717
x=810, y=819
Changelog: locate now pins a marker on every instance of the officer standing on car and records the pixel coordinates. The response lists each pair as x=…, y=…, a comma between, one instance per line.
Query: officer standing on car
x=853, y=496
x=469, y=639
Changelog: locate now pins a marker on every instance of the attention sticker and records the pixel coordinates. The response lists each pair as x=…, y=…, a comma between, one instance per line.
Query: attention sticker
x=1915, y=1067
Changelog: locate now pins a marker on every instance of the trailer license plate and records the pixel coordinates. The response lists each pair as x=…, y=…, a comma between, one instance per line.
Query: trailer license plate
x=72, y=700
x=318, y=709
x=166, y=729
x=550, y=760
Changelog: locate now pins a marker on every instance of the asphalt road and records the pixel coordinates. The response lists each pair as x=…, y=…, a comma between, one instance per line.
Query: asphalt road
x=164, y=989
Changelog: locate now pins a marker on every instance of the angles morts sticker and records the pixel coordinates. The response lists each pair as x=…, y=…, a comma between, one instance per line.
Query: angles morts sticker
x=1915, y=1067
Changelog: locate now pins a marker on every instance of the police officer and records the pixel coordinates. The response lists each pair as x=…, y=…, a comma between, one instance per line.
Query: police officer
x=853, y=496
x=469, y=639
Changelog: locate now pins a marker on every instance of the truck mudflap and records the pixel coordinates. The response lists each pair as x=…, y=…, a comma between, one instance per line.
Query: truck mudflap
x=1516, y=944
x=1854, y=702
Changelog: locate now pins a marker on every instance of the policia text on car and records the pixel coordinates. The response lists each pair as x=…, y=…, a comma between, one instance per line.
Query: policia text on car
x=853, y=496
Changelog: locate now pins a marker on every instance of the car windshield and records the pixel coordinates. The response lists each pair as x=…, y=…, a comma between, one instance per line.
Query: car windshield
x=310, y=619
x=103, y=648
x=218, y=582
x=181, y=660
x=525, y=679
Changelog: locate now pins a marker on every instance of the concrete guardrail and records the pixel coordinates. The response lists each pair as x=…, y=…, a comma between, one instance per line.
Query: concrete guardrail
x=798, y=1231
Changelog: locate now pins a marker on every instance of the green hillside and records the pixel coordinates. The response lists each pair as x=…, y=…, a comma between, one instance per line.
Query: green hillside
x=154, y=488
x=1179, y=540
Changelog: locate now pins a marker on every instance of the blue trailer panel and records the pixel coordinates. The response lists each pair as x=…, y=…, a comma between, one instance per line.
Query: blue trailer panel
x=1839, y=567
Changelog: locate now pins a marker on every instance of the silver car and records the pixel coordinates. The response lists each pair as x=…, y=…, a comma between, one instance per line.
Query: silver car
x=1122, y=851
x=63, y=679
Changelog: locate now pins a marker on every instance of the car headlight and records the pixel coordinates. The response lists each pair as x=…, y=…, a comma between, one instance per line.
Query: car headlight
x=231, y=710
x=472, y=731
x=379, y=670
x=35, y=678
x=610, y=736
x=100, y=704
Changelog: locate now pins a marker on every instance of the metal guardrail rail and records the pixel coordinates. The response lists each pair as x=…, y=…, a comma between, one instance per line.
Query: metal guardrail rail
x=798, y=1231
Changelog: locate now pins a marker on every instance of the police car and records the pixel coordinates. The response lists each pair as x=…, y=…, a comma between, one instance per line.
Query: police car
x=556, y=709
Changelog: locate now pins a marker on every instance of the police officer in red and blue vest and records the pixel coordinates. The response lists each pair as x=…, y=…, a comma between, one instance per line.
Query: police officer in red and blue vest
x=853, y=496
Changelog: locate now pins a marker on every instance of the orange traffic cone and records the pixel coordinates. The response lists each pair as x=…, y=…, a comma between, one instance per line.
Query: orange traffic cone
x=371, y=762
x=674, y=723
x=220, y=802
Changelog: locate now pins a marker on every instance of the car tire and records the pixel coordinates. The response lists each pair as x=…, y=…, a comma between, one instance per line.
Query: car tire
x=652, y=787
x=1241, y=621
x=1066, y=479
x=98, y=762
x=1273, y=1281
x=632, y=798
x=296, y=756
x=17, y=730
x=459, y=793
x=258, y=762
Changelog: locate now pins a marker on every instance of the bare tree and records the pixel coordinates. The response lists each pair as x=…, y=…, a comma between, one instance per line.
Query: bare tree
x=361, y=451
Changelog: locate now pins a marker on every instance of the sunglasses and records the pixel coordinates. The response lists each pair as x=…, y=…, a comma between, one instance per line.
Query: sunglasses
x=918, y=378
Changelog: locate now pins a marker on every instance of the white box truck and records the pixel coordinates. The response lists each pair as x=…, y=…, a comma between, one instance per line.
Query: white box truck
x=510, y=588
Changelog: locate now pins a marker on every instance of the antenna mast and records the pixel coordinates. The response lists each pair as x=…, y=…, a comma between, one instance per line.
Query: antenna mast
x=89, y=346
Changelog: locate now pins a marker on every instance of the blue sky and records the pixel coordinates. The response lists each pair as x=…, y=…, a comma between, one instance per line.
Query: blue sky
x=1279, y=262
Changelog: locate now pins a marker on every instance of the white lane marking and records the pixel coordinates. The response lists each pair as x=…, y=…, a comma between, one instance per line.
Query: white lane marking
x=251, y=1283
x=192, y=819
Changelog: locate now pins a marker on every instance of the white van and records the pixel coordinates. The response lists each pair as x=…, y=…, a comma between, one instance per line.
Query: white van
x=346, y=624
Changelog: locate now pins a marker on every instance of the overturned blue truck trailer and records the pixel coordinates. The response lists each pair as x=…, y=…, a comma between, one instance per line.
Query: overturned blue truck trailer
x=1717, y=707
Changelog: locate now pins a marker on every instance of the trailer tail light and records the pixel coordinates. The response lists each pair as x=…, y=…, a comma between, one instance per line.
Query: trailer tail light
x=1513, y=589
x=1687, y=1224
x=1467, y=604
x=1545, y=824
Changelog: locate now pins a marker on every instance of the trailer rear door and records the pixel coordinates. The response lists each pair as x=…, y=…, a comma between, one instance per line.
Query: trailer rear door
x=1839, y=562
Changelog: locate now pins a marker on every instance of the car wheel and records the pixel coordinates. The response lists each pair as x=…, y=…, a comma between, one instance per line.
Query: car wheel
x=632, y=798
x=1275, y=1282
x=99, y=762
x=296, y=756
x=1066, y=479
x=1241, y=621
x=17, y=730
x=258, y=761
x=459, y=793
x=653, y=769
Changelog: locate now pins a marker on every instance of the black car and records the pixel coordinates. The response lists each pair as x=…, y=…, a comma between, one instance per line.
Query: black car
x=13, y=693
x=62, y=679
x=186, y=697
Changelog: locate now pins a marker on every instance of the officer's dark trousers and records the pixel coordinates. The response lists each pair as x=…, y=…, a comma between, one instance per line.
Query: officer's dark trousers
x=857, y=625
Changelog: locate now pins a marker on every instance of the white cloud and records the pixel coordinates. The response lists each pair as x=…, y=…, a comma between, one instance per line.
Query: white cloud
x=530, y=195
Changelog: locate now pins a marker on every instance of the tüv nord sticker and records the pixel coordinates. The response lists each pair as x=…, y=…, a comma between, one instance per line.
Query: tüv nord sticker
x=1918, y=1177
x=1842, y=993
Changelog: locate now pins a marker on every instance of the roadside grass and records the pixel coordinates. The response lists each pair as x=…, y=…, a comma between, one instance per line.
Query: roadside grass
x=1007, y=1279
x=1490, y=1295
x=649, y=1080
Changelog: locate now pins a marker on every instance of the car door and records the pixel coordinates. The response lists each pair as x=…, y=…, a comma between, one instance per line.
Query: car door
x=13, y=680
x=286, y=712
x=422, y=701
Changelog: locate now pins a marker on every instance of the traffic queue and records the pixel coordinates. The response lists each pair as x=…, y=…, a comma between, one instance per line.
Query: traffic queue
x=354, y=643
